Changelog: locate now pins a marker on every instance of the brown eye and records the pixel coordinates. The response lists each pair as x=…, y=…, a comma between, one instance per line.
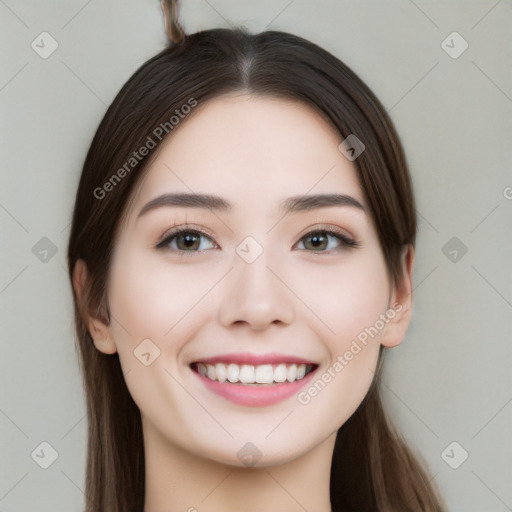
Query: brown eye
x=316, y=241
x=185, y=240
x=324, y=240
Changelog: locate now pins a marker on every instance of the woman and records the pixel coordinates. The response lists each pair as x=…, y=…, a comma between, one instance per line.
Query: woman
x=241, y=255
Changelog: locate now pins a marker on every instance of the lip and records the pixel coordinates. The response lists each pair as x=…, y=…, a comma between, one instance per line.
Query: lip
x=255, y=359
x=254, y=395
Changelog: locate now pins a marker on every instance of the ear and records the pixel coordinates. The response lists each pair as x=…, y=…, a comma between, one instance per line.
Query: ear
x=98, y=329
x=400, y=305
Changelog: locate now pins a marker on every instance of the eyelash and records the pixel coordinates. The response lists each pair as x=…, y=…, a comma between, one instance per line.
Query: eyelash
x=170, y=235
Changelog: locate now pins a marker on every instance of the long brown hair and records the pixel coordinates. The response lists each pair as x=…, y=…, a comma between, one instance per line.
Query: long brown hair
x=372, y=468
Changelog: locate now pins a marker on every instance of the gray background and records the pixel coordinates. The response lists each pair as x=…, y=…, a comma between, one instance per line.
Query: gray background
x=450, y=380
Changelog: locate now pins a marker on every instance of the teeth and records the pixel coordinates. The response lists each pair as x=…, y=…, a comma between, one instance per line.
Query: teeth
x=249, y=374
x=233, y=372
x=292, y=373
x=280, y=373
x=210, y=372
x=264, y=374
x=221, y=371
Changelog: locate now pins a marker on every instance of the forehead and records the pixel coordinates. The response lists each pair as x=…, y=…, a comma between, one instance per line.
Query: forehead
x=253, y=150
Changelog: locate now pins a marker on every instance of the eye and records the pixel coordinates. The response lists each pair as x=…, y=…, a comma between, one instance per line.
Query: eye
x=324, y=240
x=186, y=240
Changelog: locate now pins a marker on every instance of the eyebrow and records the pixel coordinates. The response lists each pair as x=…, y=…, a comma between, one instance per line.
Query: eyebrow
x=290, y=205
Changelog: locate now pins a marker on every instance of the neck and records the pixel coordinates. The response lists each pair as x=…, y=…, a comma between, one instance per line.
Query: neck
x=180, y=480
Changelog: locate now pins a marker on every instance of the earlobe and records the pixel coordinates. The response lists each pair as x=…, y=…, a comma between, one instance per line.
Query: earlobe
x=98, y=329
x=400, y=309
x=101, y=336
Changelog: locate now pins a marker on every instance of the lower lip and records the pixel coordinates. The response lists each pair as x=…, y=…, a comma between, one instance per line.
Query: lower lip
x=255, y=396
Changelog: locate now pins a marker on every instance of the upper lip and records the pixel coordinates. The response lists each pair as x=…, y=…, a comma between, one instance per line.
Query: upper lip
x=254, y=359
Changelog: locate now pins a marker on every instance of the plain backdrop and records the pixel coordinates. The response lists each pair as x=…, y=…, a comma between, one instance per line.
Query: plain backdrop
x=448, y=386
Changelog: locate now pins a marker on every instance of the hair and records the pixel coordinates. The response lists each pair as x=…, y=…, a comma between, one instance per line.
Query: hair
x=373, y=469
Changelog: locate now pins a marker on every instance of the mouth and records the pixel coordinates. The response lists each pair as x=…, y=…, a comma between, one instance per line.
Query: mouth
x=253, y=375
x=254, y=380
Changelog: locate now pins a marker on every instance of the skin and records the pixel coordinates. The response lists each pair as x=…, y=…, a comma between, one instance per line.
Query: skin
x=253, y=151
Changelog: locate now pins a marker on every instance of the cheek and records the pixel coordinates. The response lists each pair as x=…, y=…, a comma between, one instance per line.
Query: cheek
x=150, y=296
x=347, y=297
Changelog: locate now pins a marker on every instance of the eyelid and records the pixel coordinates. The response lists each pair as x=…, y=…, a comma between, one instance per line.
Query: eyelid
x=326, y=226
x=179, y=227
x=346, y=241
x=346, y=238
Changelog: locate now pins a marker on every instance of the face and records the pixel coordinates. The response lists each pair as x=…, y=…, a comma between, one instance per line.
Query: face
x=282, y=301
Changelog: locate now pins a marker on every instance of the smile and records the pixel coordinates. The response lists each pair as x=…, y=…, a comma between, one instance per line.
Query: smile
x=253, y=380
x=254, y=375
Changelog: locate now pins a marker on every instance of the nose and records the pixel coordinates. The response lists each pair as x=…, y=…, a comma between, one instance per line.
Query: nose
x=256, y=296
